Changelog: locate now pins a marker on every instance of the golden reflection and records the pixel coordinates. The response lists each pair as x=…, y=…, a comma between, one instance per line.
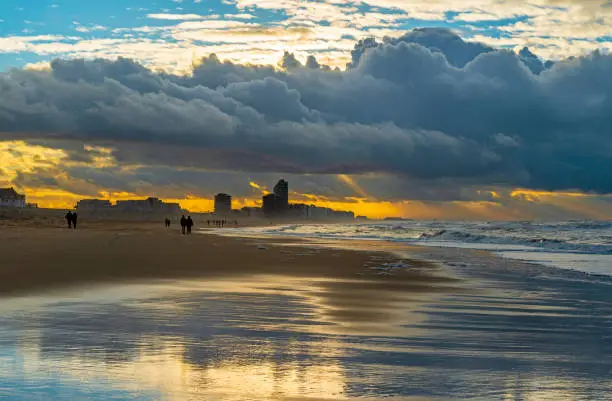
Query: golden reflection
x=180, y=368
x=160, y=366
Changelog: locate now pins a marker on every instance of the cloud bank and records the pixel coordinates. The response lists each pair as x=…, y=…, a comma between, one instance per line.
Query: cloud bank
x=427, y=106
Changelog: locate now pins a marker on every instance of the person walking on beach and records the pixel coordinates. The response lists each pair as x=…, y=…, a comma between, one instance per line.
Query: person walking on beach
x=69, y=219
x=74, y=220
x=183, y=224
x=189, y=224
x=167, y=222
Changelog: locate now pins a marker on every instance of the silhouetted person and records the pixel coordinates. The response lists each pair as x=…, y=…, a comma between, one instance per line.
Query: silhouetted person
x=74, y=220
x=167, y=222
x=69, y=219
x=189, y=224
x=183, y=224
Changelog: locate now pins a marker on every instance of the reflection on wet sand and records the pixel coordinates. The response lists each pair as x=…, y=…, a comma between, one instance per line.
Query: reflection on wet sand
x=158, y=368
x=287, y=338
x=195, y=339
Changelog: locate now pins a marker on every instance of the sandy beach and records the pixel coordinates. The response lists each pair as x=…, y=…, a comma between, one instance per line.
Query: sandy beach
x=49, y=257
x=137, y=311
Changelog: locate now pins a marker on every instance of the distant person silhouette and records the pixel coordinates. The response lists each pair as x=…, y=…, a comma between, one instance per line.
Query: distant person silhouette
x=74, y=220
x=167, y=223
x=69, y=219
x=189, y=224
x=183, y=224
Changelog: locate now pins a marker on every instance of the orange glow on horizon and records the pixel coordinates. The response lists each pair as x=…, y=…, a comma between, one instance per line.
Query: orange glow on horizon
x=583, y=204
x=46, y=164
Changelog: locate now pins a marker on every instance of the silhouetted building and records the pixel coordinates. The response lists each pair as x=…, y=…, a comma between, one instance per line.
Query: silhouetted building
x=281, y=189
x=272, y=205
x=149, y=205
x=311, y=212
x=94, y=205
x=223, y=203
x=251, y=211
x=10, y=198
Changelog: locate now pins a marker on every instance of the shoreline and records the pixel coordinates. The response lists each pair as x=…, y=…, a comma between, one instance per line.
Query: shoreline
x=43, y=258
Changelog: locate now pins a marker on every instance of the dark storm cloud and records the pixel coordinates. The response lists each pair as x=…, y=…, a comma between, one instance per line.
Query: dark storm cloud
x=427, y=106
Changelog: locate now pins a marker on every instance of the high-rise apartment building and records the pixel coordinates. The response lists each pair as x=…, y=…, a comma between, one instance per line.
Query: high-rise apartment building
x=223, y=203
x=281, y=189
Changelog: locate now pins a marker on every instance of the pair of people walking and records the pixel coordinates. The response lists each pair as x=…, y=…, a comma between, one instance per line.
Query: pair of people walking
x=186, y=225
x=71, y=219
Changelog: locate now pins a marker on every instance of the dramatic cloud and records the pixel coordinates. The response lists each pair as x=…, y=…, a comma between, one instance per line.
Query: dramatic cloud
x=427, y=115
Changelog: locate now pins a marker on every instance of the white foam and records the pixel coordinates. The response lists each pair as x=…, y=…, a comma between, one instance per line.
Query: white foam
x=584, y=245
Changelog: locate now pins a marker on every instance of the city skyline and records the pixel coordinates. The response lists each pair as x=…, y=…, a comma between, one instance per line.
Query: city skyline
x=273, y=205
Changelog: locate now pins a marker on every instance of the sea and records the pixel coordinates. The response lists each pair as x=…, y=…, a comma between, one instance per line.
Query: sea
x=528, y=319
x=585, y=246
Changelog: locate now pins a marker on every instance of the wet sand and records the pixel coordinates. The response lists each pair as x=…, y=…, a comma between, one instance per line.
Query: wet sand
x=356, y=288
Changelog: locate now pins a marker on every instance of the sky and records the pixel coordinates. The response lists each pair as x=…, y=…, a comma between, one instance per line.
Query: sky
x=474, y=109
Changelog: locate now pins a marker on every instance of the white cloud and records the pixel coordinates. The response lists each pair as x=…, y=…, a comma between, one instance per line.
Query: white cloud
x=176, y=17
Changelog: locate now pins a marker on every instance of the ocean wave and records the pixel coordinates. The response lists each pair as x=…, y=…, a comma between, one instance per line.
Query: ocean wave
x=584, y=246
x=575, y=243
x=574, y=236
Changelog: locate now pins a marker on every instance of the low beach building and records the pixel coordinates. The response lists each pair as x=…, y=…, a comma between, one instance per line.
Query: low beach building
x=10, y=198
x=323, y=213
x=250, y=211
x=136, y=207
x=94, y=205
x=149, y=205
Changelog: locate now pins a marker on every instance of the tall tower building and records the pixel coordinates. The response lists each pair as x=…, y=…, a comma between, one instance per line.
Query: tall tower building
x=281, y=189
x=223, y=203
